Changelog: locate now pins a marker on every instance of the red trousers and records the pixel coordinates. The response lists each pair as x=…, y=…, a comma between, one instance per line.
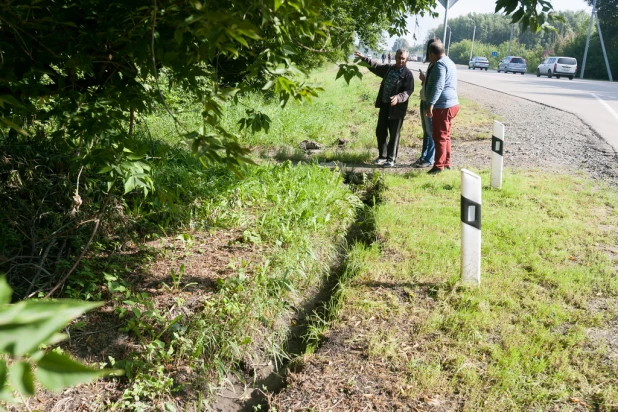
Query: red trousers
x=442, y=121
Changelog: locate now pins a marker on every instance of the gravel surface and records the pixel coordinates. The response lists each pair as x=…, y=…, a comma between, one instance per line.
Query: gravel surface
x=537, y=136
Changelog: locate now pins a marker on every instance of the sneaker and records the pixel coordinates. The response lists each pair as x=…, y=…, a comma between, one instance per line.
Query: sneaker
x=417, y=161
x=389, y=163
x=380, y=161
x=448, y=167
x=421, y=164
x=434, y=171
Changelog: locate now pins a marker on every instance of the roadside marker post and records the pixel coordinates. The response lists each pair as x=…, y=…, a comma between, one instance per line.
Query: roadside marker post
x=497, y=157
x=470, y=227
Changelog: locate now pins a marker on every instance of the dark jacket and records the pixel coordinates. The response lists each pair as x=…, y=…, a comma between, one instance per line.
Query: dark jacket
x=403, y=88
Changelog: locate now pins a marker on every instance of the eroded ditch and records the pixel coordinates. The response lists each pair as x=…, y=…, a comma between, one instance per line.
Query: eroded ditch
x=317, y=312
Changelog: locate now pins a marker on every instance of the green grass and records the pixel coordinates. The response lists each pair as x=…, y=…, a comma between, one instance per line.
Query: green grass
x=538, y=273
x=519, y=340
x=296, y=216
x=341, y=111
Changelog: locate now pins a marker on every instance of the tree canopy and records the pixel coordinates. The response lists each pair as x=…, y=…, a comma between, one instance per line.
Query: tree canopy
x=496, y=29
x=80, y=71
x=400, y=43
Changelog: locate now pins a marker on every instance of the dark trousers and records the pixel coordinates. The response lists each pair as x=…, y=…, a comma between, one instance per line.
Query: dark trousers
x=387, y=147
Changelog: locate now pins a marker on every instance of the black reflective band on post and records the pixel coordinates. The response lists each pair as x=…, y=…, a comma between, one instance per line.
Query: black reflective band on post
x=500, y=145
x=466, y=204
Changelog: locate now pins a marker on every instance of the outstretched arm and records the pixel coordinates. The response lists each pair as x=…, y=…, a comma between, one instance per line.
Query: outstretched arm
x=375, y=66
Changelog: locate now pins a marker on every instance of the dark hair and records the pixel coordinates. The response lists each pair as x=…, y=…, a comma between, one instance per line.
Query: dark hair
x=429, y=42
x=436, y=48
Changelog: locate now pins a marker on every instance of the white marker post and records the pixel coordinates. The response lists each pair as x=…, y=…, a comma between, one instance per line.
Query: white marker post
x=470, y=227
x=497, y=157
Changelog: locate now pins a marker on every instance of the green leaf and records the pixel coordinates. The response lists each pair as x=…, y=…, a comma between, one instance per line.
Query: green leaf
x=5, y=292
x=3, y=373
x=28, y=324
x=6, y=395
x=22, y=378
x=278, y=4
x=56, y=371
x=5, y=98
x=135, y=157
x=14, y=126
x=517, y=15
x=169, y=407
x=178, y=36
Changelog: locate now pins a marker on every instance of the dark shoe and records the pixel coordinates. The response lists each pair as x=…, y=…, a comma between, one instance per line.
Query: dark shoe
x=434, y=171
x=448, y=167
x=380, y=161
x=389, y=163
x=421, y=164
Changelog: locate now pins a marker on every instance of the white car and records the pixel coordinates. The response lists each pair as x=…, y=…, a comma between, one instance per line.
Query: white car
x=513, y=64
x=478, y=61
x=557, y=66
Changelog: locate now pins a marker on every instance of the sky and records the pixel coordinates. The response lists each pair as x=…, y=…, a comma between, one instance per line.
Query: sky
x=463, y=7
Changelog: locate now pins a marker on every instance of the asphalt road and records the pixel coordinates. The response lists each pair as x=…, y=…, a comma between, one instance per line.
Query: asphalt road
x=594, y=102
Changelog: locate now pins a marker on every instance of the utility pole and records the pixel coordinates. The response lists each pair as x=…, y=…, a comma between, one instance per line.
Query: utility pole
x=449, y=39
x=609, y=72
x=592, y=17
x=594, y=5
x=446, y=6
x=508, y=53
x=473, y=34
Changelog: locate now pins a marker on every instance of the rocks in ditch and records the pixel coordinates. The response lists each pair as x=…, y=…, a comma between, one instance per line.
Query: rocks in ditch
x=307, y=145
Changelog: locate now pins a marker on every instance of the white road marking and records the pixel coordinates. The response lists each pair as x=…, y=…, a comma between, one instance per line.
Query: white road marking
x=607, y=106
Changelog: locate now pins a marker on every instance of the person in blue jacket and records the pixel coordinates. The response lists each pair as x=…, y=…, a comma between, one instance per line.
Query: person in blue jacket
x=429, y=149
x=442, y=103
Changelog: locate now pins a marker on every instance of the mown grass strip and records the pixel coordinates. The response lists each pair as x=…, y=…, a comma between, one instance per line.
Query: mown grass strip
x=522, y=340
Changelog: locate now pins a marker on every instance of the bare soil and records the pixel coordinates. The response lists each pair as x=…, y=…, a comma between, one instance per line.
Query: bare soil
x=209, y=257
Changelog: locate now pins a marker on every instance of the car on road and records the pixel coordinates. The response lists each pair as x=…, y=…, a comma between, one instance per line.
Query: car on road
x=478, y=61
x=412, y=58
x=557, y=66
x=513, y=64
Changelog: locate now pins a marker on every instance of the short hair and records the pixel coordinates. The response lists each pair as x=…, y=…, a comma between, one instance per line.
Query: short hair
x=402, y=52
x=436, y=48
x=429, y=42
